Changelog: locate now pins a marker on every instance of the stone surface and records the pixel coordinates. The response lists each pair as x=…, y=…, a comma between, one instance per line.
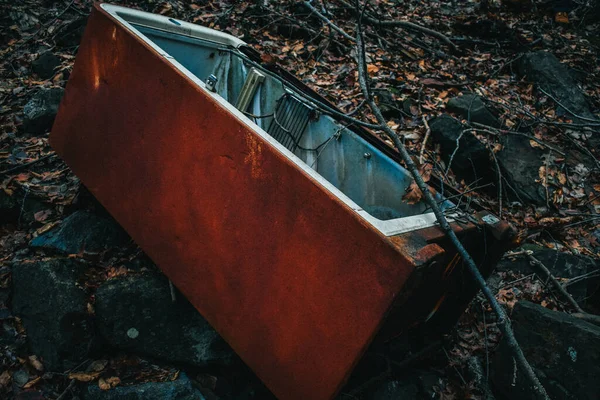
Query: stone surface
x=395, y=390
x=561, y=265
x=520, y=164
x=180, y=389
x=472, y=108
x=562, y=349
x=54, y=311
x=18, y=207
x=45, y=64
x=82, y=231
x=471, y=160
x=550, y=74
x=136, y=313
x=71, y=33
x=40, y=111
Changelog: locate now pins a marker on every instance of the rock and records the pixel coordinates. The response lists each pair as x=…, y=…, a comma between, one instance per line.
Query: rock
x=388, y=106
x=545, y=70
x=561, y=265
x=181, y=389
x=20, y=377
x=82, y=231
x=471, y=160
x=520, y=164
x=40, y=111
x=562, y=349
x=71, y=33
x=395, y=390
x=137, y=314
x=45, y=64
x=18, y=207
x=472, y=108
x=476, y=374
x=54, y=311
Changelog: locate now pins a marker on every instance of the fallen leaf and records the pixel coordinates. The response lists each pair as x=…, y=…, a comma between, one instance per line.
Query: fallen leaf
x=32, y=382
x=5, y=379
x=108, y=383
x=35, y=363
x=41, y=216
x=372, y=69
x=84, y=376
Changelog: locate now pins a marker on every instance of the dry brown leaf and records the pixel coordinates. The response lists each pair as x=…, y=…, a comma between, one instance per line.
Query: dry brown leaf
x=108, y=383
x=533, y=143
x=372, y=69
x=35, y=363
x=32, y=382
x=84, y=376
x=164, y=8
x=5, y=379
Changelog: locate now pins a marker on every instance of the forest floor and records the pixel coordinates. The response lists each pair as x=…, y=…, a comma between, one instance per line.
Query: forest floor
x=415, y=76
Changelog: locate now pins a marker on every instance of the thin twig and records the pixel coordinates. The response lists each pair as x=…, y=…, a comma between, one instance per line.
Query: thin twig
x=63, y=395
x=404, y=24
x=26, y=165
x=567, y=109
x=172, y=290
x=427, y=133
x=499, y=173
x=328, y=21
x=560, y=288
x=503, y=321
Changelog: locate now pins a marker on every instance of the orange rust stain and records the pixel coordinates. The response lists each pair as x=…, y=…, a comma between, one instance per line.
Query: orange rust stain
x=254, y=157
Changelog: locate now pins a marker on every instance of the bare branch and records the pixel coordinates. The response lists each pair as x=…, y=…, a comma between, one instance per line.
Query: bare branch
x=406, y=25
x=328, y=21
x=503, y=321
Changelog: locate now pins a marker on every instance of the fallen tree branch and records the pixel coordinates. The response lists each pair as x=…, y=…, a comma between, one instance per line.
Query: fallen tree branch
x=503, y=321
x=404, y=24
x=427, y=133
x=560, y=288
x=328, y=21
x=591, y=318
x=567, y=109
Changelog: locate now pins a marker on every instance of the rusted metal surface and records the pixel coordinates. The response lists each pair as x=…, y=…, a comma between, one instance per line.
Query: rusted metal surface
x=296, y=282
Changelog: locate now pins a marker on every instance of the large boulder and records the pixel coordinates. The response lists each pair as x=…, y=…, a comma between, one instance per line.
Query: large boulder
x=395, y=390
x=40, y=111
x=563, y=351
x=53, y=308
x=180, y=389
x=472, y=108
x=545, y=70
x=137, y=314
x=414, y=385
x=18, y=207
x=82, y=231
x=562, y=265
x=471, y=159
x=520, y=164
x=45, y=64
